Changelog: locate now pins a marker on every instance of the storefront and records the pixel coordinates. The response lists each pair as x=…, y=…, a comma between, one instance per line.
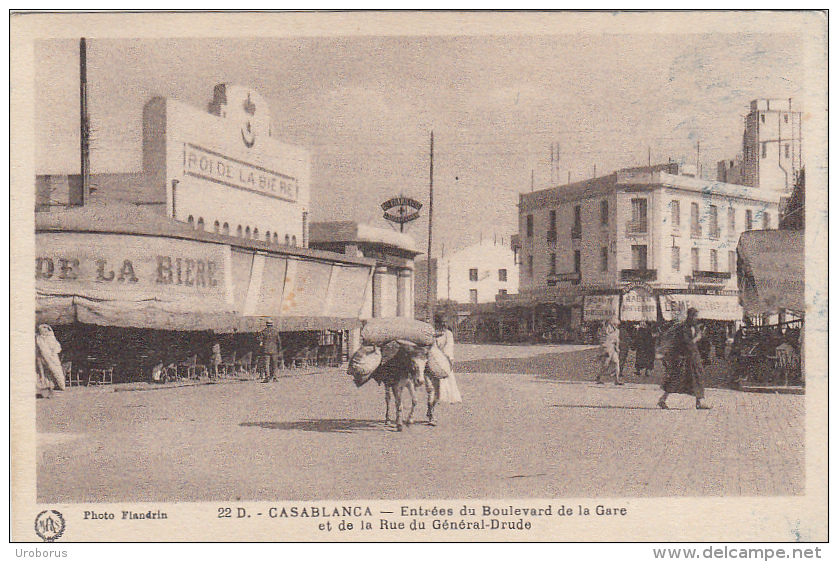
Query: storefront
x=123, y=267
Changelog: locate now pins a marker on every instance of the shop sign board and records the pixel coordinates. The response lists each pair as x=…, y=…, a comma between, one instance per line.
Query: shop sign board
x=638, y=305
x=710, y=307
x=132, y=268
x=600, y=308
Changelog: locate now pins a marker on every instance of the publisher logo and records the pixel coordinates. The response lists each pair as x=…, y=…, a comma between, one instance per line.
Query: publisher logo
x=49, y=525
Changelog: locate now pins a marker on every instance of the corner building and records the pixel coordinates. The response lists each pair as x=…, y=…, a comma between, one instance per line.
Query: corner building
x=644, y=243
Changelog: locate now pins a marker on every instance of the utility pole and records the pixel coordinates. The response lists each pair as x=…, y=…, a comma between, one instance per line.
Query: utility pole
x=428, y=293
x=84, y=123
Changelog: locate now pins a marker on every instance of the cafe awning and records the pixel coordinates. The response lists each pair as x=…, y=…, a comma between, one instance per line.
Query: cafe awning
x=99, y=266
x=771, y=271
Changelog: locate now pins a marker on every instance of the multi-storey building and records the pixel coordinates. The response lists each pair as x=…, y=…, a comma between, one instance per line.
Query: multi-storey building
x=772, y=147
x=477, y=274
x=672, y=238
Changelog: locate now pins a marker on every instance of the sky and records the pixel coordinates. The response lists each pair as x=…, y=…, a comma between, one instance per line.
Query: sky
x=365, y=107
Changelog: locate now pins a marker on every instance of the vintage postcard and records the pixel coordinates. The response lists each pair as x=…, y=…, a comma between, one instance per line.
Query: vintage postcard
x=419, y=276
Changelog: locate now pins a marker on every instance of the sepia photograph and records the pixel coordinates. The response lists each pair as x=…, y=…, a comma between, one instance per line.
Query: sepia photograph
x=418, y=276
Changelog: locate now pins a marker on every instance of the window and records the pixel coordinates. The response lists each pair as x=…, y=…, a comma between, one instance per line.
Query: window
x=553, y=220
x=552, y=264
x=714, y=260
x=191, y=221
x=226, y=229
x=731, y=262
x=529, y=226
x=502, y=292
x=472, y=296
x=695, y=224
x=731, y=220
x=749, y=220
x=787, y=150
x=276, y=238
x=200, y=223
x=294, y=240
x=638, y=257
x=267, y=236
x=529, y=266
x=287, y=240
x=603, y=212
x=638, y=215
x=764, y=147
x=766, y=221
x=247, y=232
x=502, y=275
x=676, y=213
x=762, y=117
x=239, y=231
x=786, y=117
x=577, y=261
x=472, y=274
x=694, y=258
x=216, y=227
x=676, y=258
x=603, y=259
x=255, y=233
x=714, y=221
x=576, y=231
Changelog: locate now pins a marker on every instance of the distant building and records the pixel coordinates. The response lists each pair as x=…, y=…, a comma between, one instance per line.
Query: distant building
x=479, y=273
x=772, y=147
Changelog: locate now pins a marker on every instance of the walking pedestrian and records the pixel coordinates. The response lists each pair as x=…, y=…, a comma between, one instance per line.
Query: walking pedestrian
x=683, y=363
x=644, y=345
x=610, y=343
x=271, y=343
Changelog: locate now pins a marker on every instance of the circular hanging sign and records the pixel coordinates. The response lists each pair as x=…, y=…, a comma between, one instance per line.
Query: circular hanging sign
x=401, y=209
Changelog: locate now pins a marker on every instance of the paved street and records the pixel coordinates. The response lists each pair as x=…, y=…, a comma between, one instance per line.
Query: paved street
x=315, y=436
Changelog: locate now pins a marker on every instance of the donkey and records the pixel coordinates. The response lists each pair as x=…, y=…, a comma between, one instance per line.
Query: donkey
x=405, y=369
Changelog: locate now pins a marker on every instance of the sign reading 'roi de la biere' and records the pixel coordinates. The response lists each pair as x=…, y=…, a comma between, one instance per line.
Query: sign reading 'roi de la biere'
x=205, y=164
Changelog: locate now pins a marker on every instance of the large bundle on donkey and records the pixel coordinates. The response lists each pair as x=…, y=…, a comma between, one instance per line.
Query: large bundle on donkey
x=395, y=353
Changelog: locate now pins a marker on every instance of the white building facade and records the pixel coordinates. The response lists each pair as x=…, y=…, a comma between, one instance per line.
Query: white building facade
x=478, y=273
x=588, y=242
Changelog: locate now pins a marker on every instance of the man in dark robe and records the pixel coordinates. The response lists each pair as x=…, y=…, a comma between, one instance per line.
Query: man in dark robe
x=683, y=363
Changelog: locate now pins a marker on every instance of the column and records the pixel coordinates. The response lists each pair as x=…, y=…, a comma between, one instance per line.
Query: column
x=404, y=298
x=378, y=279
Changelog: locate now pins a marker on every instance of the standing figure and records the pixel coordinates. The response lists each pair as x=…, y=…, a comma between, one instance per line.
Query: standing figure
x=271, y=343
x=626, y=343
x=216, y=358
x=442, y=389
x=50, y=373
x=685, y=374
x=610, y=343
x=644, y=345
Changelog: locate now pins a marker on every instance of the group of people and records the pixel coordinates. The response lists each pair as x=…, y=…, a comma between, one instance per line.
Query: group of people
x=616, y=342
x=679, y=348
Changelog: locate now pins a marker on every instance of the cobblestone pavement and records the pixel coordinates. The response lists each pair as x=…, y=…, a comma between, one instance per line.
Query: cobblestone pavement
x=315, y=436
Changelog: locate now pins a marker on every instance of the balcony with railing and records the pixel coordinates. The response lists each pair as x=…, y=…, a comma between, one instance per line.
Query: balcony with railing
x=715, y=233
x=637, y=227
x=576, y=232
x=638, y=275
x=551, y=236
x=695, y=230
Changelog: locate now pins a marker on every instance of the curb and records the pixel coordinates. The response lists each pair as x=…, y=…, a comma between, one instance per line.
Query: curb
x=772, y=389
